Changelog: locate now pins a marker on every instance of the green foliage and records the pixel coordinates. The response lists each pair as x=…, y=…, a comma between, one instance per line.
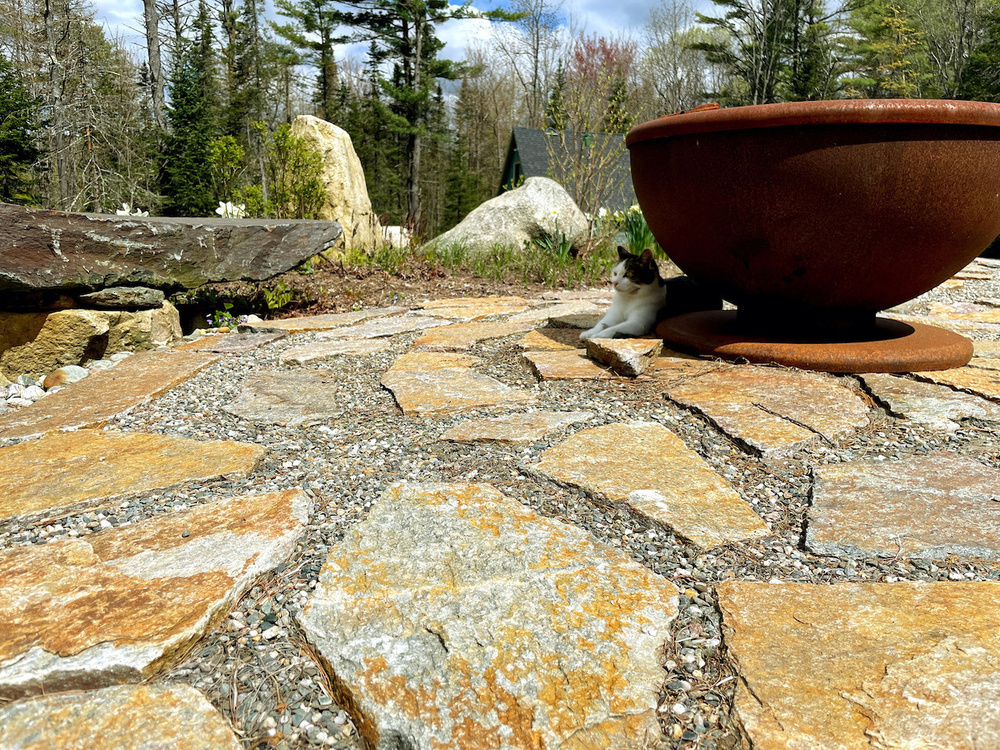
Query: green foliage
x=192, y=114
x=18, y=124
x=294, y=176
x=278, y=296
x=226, y=158
x=981, y=75
x=629, y=228
x=223, y=317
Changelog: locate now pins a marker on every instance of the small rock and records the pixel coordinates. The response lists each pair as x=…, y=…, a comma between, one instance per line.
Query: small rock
x=32, y=393
x=123, y=298
x=629, y=357
x=25, y=380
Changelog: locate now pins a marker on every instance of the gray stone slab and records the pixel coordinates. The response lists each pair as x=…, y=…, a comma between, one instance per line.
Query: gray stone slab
x=937, y=406
x=294, y=399
x=929, y=506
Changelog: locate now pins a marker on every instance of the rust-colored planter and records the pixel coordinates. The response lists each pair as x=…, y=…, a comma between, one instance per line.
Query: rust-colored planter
x=813, y=216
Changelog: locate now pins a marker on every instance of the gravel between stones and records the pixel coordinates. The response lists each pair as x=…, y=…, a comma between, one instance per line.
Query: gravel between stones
x=257, y=668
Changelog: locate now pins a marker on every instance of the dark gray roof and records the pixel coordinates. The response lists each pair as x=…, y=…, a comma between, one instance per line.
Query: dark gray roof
x=551, y=154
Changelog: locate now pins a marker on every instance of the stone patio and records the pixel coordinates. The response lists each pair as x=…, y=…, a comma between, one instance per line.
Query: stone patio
x=452, y=527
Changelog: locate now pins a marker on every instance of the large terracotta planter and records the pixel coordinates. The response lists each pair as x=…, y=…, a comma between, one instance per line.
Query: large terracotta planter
x=813, y=216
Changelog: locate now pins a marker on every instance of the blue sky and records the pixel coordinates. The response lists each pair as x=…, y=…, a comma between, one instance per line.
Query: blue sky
x=124, y=18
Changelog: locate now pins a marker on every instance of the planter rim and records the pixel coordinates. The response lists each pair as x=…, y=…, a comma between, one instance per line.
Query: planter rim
x=833, y=112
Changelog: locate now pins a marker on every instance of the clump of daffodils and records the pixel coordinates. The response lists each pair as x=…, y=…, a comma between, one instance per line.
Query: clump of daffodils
x=126, y=210
x=230, y=210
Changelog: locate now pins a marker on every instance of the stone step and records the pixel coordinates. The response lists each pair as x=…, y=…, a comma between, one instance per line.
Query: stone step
x=127, y=717
x=454, y=617
x=463, y=336
x=466, y=309
x=646, y=467
x=229, y=343
x=566, y=365
x=79, y=470
x=320, y=351
x=121, y=605
x=854, y=666
x=98, y=399
x=434, y=384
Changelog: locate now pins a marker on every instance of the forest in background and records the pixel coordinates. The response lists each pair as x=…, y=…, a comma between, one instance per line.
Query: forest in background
x=202, y=115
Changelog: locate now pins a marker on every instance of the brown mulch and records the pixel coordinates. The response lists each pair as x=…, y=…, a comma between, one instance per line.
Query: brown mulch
x=335, y=288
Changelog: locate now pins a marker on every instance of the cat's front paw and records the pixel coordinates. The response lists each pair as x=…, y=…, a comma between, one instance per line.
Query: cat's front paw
x=589, y=334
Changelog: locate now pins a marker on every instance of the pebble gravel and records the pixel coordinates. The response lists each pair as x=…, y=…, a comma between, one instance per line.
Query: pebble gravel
x=256, y=666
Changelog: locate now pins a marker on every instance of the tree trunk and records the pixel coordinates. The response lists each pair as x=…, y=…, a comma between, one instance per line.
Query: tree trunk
x=58, y=125
x=156, y=85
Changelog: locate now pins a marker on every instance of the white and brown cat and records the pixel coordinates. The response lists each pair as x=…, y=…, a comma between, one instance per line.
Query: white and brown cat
x=643, y=298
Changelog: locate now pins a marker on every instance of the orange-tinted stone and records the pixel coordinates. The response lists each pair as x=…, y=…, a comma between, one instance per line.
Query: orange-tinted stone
x=855, y=666
x=120, y=605
x=565, y=365
x=978, y=380
x=648, y=468
x=774, y=410
x=97, y=399
x=936, y=406
x=474, y=308
x=128, y=717
x=628, y=357
x=71, y=470
x=319, y=351
x=456, y=618
x=462, y=336
x=551, y=339
x=430, y=383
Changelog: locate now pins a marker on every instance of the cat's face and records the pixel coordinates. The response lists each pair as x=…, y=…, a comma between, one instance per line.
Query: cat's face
x=632, y=272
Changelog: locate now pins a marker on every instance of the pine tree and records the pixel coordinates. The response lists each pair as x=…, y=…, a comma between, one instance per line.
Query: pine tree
x=18, y=125
x=193, y=116
x=312, y=31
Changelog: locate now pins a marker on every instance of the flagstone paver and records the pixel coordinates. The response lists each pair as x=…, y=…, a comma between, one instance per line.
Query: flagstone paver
x=455, y=617
x=977, y=380
x=928, y=506
x=974, y=329
x=96, y=400
x=126, y=717
x=969, y=311
x=462, y=336
x=432, y=383
x=381, y=327
x=565, y=365
x=466, y=309
x=645, y=466
x=628, y=357
x=936, y=406
x=861, y=665
x=772, y=410
x=551, y=339
x=319, y=351
x=230, y=343
x=294, y=399
x=527, y=427
x=986, y=349
x=120, y=605
x=321, y=322
x=544, y=314
x=90, y=467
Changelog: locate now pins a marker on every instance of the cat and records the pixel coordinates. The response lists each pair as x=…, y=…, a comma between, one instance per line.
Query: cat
x=643, y=298
x=640, y=296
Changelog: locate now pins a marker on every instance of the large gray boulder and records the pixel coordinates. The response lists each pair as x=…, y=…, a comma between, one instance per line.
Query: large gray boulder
x=44, y=252
x=539, y=206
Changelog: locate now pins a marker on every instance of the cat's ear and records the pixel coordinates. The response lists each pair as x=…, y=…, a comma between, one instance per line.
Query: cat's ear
x=647, y=256
x=623, y=253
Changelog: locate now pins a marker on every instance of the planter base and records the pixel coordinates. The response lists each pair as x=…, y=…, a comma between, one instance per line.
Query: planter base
x=899, y=347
